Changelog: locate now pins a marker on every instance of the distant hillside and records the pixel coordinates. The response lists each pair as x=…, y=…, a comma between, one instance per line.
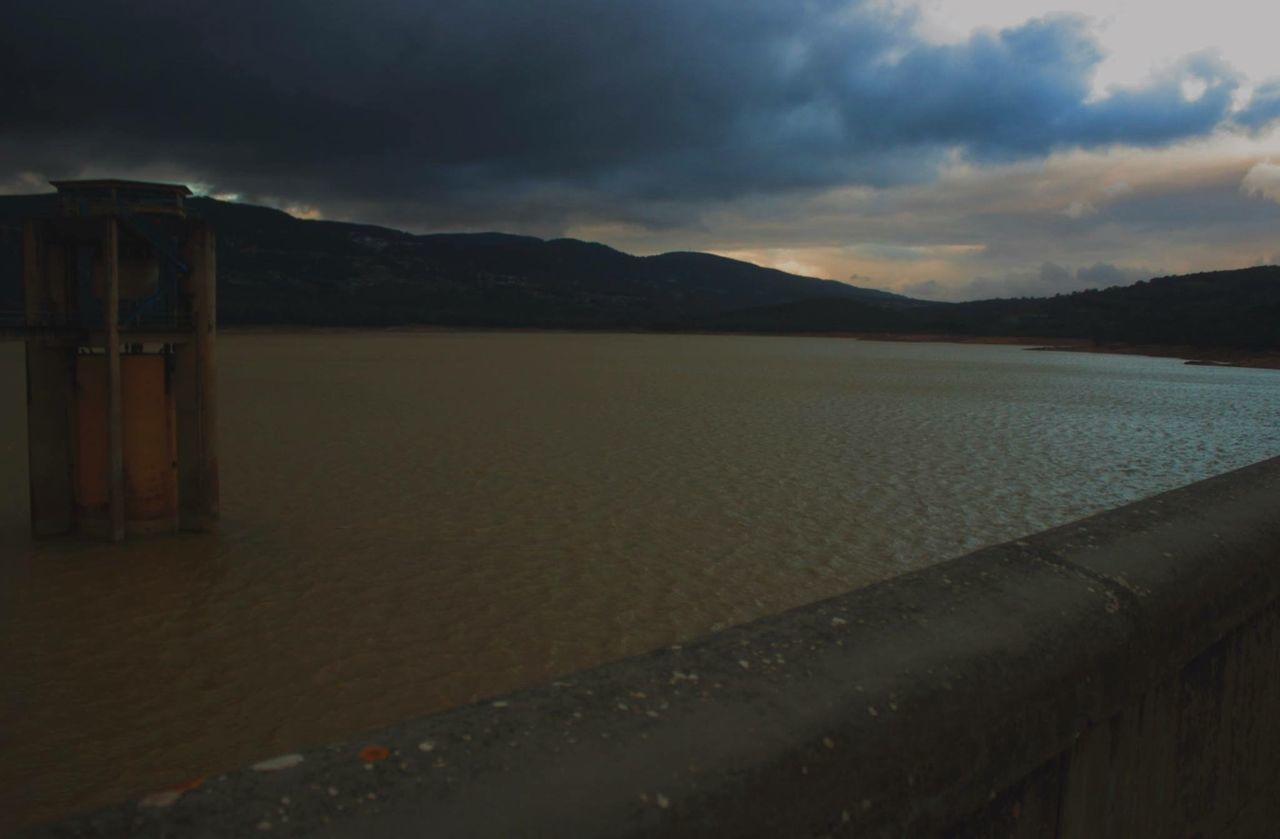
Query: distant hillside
x=1212, y=309
x=818, y=314
x=1229, y=309
x=276, y=269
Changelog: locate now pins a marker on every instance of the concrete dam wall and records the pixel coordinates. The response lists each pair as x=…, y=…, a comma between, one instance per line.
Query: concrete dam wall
x=1119, y=676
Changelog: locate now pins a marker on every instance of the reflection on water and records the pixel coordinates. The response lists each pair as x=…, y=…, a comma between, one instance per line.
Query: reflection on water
x=413, y=521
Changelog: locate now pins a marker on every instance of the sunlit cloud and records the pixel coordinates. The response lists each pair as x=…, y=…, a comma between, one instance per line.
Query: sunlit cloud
x=1137, y=38
x=1263, y=180
x=309, y=213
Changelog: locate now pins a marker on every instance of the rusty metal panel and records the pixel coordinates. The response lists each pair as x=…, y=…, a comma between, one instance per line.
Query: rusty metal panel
x=150, y=447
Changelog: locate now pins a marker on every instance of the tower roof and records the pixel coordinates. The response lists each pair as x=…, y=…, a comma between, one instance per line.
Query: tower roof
x=111, y=196
x=120, y=185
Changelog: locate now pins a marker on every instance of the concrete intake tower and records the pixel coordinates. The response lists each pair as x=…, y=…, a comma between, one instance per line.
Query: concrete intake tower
x=119, y=324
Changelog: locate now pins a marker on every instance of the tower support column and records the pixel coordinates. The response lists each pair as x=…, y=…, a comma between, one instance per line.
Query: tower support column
x=195, y=383
x=50, y=389
x=111, y=334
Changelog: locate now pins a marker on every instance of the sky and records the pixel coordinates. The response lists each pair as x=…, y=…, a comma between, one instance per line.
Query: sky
x=946, y=149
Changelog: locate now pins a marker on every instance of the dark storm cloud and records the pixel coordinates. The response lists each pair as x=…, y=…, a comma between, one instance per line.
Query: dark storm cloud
x=474, y=112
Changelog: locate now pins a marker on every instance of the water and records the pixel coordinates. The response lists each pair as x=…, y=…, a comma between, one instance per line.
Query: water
x=417, y=520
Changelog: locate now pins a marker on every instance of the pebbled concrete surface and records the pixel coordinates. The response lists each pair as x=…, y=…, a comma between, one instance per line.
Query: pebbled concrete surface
x=902, y=708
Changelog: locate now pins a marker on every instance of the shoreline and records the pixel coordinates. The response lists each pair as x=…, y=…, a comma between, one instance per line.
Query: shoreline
x=1198, y=356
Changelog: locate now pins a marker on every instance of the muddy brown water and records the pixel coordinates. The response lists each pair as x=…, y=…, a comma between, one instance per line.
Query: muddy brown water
x=412, y=521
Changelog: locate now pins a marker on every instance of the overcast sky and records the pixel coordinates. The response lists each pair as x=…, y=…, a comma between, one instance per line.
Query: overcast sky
x=949, y=149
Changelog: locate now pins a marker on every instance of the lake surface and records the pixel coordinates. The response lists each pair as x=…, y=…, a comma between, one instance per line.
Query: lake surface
x=412, y=521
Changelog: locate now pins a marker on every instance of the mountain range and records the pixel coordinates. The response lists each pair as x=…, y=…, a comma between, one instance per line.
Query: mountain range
x=274, y=268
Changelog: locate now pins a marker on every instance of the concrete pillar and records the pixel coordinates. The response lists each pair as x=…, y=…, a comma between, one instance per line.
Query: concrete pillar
x=45, y=277
x=195, y=384
x=50, y=429
x=206, y=325
x=50, y=393
x=34, y=284
x=92, y=457
x=111, y=335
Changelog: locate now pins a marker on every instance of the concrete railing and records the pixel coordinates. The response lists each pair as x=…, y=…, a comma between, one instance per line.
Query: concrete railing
x=1119, y=676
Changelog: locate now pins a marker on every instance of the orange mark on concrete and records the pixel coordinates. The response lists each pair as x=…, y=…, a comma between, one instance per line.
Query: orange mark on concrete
x=372, y=754
x=187, y=786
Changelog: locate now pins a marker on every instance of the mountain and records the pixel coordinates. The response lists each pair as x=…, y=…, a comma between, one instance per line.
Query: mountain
x=1239, y=309
x=815, y=315
x=1224, y=309
x=277, y=269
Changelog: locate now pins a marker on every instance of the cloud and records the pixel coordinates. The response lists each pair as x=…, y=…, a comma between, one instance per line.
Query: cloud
x=1079, y=209
x=538, y=116
x=1050, y=279
x=1263, y=109
x=1118, y=189
x=1171, y=211
x=1084, y=208
x=1263, y=180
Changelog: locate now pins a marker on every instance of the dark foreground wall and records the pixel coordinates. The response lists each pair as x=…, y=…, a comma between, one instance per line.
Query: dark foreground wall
x=1115, y=677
